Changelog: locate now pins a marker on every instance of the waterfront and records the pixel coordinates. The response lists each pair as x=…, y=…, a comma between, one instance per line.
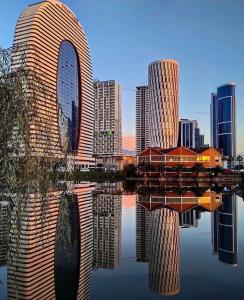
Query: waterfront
x=151, y=243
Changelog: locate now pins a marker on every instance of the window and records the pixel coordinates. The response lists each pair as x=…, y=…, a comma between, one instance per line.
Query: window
x=68, y=93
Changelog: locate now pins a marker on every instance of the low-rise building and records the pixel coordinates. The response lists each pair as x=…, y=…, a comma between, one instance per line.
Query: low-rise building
x=186, y=157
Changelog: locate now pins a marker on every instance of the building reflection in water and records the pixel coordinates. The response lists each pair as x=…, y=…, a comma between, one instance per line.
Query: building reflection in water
x=107, y=225
x=40, y=269
x=224, y=230
x=159, y=217
x=3, y=248
x=164, y=257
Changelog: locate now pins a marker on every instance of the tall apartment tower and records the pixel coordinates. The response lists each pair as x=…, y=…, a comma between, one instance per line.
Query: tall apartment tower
x=164, y=255
x=106, y=229
x=107, y=131
x=223, y=119
x=163, y=103
x=141, y=118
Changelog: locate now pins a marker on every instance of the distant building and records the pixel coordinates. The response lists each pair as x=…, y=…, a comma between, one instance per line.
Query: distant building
x=224, y=230
x=107, y=131
x=106, y=228
x=199, y=139
x=188, y=133
x=223, y=119
x=163, y=108
x=141, y=118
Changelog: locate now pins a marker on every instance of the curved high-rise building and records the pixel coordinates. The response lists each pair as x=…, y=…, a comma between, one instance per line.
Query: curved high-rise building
x=164, y=254
x=163, y=103
x=56, y=50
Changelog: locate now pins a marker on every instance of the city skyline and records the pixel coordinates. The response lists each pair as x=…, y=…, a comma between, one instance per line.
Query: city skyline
x=205, y=52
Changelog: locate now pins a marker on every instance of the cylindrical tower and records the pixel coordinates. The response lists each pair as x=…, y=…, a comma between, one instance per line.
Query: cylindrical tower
x=163, y=103
x=164, y=254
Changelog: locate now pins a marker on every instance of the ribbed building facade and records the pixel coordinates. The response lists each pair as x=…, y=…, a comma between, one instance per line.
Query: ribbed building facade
x=37, y=269
x=107, y=131
x=56, y=50
x=106, y=229
x=142, y=137
x=164, y=256
x=163, y=103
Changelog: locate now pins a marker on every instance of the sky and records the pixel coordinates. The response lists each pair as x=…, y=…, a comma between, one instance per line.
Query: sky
x=206, y=37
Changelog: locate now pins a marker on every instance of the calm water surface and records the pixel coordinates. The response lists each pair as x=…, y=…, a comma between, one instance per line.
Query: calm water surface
x=153, y=244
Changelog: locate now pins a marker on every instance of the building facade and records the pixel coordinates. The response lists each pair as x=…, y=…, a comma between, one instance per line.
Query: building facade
x=57, y=52
x=142, y=137
x=223, y=119
x=163, y=103
x=107, y=131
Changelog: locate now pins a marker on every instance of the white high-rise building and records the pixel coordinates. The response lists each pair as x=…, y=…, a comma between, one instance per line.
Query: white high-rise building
x=107, y=131
x=163, y=106
x=141, y=118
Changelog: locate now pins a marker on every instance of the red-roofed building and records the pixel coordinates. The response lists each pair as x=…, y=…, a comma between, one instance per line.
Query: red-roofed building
x=208, y=157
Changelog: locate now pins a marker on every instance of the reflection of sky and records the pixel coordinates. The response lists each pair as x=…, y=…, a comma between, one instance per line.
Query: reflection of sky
x=203, y=276
x=3, y=283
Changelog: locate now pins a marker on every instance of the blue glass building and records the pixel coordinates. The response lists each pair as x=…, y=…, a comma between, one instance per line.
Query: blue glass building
x=224, y=230
x=223, y=119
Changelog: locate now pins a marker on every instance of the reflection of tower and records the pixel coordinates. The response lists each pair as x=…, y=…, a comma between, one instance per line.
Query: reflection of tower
x=164, y=256
x=224, y=230
x=107, y=230
x=142, y=233
x=3, y=248
x=3, y=232
x=189, y=218
x=36, y=273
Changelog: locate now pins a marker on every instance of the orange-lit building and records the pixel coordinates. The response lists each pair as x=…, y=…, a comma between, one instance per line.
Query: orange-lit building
x=208, y=157
x=209, y=201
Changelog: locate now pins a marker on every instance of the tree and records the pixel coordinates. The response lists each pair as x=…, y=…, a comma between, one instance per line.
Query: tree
x=197, y=168
x=24, y=171
x=130, y=170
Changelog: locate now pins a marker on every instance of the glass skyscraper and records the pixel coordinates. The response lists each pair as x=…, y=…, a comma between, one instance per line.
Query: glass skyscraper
x=223, y=119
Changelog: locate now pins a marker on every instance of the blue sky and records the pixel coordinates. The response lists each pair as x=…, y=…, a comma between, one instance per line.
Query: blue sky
x=206, y=37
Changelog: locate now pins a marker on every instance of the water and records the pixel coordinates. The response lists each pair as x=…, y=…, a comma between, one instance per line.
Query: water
x=141, y=243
